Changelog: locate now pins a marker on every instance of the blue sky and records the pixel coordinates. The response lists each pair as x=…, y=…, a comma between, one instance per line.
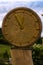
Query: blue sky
x=7, y=5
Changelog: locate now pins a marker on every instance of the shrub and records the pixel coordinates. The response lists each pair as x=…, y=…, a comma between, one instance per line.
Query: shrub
x=37, y=54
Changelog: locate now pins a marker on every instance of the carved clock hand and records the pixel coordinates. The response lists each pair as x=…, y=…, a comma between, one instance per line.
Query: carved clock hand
x=19, y=22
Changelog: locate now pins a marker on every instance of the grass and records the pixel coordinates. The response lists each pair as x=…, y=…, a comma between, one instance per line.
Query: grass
x=3, y=48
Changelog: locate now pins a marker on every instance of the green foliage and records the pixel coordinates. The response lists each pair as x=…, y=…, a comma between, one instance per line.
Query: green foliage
x=39, y=41
x=37, y=54
x=6, y=55
x=1, y=35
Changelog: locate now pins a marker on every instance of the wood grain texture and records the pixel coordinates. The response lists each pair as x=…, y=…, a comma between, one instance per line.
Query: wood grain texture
x=21, y=27
x=21, y=57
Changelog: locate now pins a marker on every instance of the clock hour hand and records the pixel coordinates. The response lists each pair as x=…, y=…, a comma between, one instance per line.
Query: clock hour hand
x=19, y=22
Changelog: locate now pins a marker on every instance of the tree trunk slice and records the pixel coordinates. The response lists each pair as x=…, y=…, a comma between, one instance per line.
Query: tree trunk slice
x=18, y=26
x=21, y=57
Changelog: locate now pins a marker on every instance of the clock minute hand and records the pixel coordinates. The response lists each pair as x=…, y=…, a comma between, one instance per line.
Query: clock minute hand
x=18, y=20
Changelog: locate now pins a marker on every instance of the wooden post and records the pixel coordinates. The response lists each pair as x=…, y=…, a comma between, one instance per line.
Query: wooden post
x=21, y=57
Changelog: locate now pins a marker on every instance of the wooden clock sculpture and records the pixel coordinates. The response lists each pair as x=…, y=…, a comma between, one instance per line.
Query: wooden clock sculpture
x=22, y=28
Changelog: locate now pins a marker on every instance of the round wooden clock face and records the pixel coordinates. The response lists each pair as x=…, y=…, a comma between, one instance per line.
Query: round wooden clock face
x=21, y=27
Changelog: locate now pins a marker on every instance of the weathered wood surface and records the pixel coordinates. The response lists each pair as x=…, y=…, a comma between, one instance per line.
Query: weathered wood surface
x=21, y=57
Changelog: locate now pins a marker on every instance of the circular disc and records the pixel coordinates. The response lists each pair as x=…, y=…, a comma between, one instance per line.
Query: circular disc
x=21, y=27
